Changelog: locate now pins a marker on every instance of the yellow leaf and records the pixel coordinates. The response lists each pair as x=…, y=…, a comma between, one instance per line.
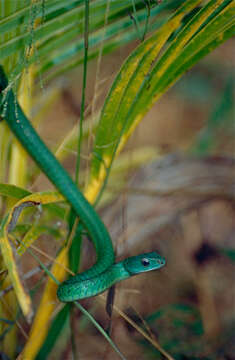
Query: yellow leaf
x=8, y=251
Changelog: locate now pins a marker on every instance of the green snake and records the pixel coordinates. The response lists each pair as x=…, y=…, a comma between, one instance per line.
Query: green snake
x=105, y=272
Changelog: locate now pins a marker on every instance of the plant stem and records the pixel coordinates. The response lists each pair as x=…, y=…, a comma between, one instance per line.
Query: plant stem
x=80, y=134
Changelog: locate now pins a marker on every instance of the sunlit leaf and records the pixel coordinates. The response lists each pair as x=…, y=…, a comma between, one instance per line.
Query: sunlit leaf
x=143, y=78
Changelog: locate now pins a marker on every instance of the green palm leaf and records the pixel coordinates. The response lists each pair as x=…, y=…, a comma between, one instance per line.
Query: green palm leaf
x=145, y=76
x=55, y=29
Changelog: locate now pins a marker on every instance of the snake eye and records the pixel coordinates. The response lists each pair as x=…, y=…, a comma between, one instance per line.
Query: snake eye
x=145, y=262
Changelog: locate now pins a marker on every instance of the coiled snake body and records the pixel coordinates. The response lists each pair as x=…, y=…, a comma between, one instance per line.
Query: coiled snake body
x=104, y=273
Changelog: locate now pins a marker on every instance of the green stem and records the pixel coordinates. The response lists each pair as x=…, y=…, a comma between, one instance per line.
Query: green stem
x=80, y=134
x=72, y=215
x=97, y=325
x=147, y=4
x=135, y=20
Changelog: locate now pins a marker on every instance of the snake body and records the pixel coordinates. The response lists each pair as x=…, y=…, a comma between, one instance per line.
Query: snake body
x=104, y=273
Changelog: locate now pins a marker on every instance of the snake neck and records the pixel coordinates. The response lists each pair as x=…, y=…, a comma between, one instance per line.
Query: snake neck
x=118, y=272
x=77, y=287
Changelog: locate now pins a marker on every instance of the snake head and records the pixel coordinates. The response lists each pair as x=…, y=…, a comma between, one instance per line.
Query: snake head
x=144, y=262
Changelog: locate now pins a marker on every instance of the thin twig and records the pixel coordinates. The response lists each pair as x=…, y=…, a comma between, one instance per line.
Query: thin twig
x=26, y=276
x=143, y=333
